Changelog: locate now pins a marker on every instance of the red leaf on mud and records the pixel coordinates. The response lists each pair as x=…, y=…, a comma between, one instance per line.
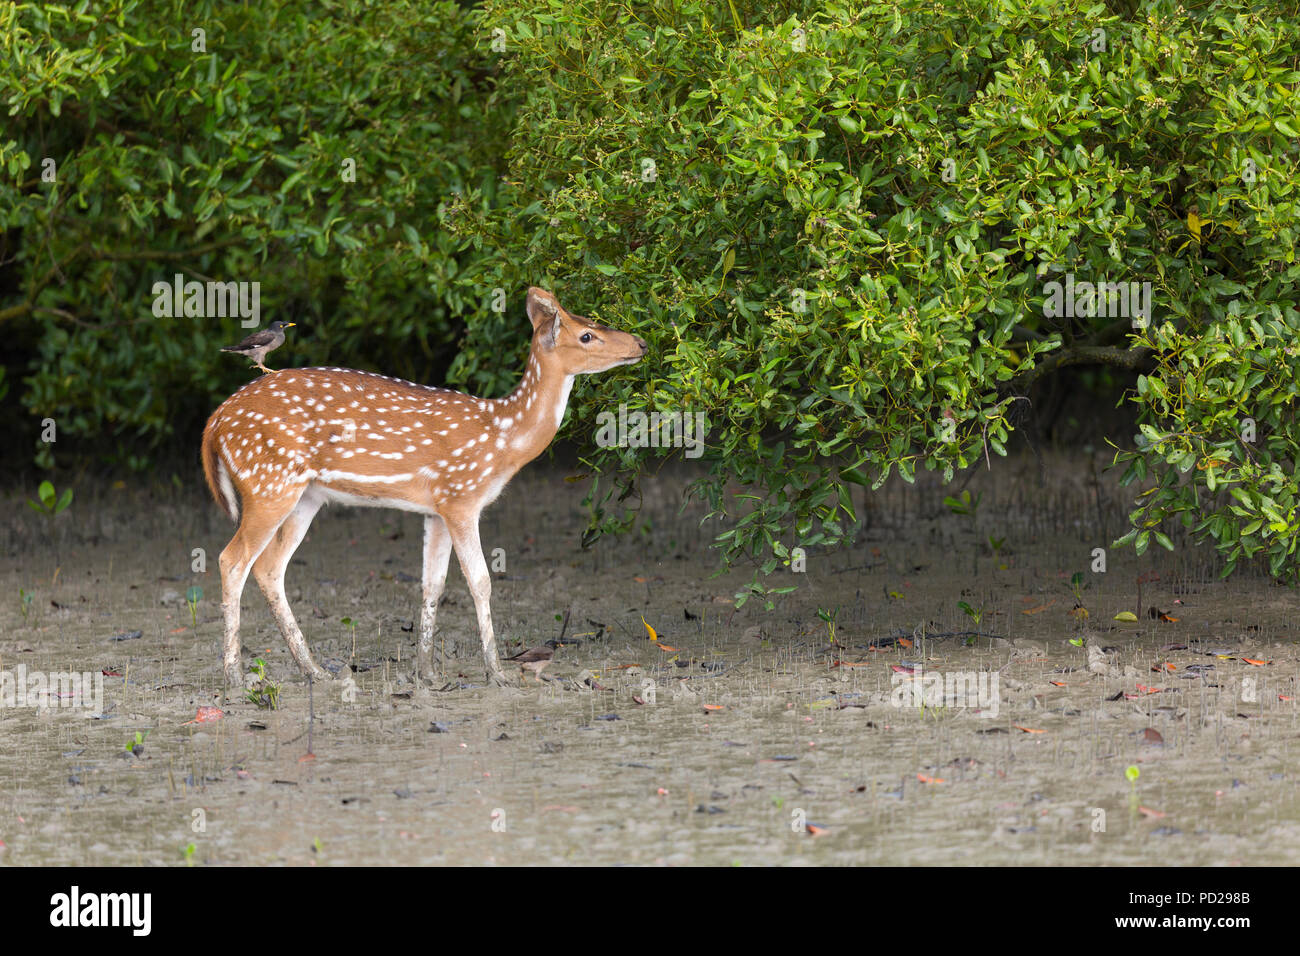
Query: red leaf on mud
x=1254, y=662
x=108, y=673
x=709, y=707
x=1163, y=666
x=206, y=714
x=1057, y=683
x=1153, y=814
x=813, y=829
x=924, y=779
x=1029, y=730
x=1040, y=609
x=902, y=669
x=1152, y=736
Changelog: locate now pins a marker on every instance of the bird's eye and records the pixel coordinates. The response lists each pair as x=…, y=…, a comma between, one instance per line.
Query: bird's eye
x=586, y=337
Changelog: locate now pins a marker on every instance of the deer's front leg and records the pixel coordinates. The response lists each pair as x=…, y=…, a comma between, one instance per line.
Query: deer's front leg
x=469, y=550
x=437, y=555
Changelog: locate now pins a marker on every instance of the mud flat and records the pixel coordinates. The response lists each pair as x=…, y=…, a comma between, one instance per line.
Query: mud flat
x=757, y=740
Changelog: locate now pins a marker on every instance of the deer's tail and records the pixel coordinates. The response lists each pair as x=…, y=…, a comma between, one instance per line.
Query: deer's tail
x=218, y=476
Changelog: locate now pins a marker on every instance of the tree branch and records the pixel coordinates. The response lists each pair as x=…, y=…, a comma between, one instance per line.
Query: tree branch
x=14, y=311
x=1111, y=356
x=165, y=255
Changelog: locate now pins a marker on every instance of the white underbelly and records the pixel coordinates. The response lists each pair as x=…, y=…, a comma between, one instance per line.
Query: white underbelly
x=365, y=501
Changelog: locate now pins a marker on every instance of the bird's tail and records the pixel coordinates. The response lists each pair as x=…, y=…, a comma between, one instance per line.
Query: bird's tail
x=214, y=469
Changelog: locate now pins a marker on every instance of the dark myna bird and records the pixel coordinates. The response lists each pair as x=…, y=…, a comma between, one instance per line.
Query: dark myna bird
x=258, y=344
x=535, y=658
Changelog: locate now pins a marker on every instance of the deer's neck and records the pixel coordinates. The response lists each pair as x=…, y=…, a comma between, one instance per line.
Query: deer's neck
x=531, y=414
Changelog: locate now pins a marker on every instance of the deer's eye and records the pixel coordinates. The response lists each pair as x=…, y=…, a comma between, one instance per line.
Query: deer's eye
x=586, y=337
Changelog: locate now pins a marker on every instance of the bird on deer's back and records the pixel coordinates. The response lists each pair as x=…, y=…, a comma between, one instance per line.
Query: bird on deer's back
x=256, y=346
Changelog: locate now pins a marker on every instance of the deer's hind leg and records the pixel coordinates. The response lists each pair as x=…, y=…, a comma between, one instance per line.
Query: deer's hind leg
x=269, y=571
x=261, y=519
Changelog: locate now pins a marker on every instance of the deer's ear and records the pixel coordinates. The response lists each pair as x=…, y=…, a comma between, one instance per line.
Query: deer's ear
x=553, y=332
x=541, y=306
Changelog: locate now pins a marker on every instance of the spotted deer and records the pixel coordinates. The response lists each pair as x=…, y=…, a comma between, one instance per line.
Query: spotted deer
x=294, y=439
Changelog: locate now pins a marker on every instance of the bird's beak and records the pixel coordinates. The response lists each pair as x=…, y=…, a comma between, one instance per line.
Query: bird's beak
x=289, y=325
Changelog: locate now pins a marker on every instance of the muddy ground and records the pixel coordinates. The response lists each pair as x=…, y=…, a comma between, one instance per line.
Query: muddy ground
x=759, y=740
